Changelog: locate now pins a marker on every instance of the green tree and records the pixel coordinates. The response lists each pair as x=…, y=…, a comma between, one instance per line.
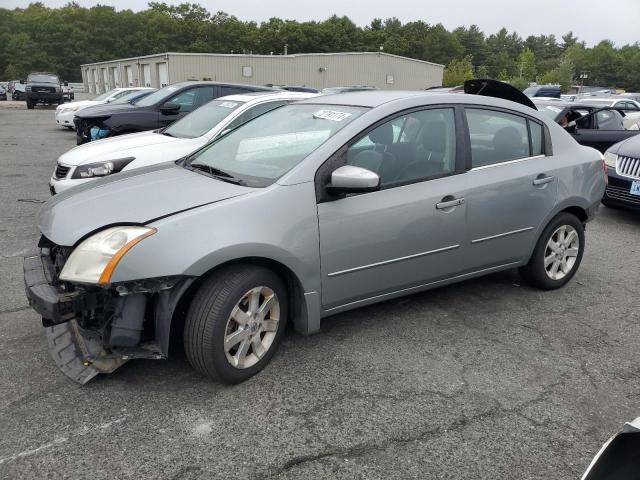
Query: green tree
x=458, y=71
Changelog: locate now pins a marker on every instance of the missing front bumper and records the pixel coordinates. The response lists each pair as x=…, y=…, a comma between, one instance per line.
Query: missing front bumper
x=96, y=330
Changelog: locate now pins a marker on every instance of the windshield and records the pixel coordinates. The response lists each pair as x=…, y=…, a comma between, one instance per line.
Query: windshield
x=202, y=120
x=158, y=96
x=549, y=110
x=132, y=96
x=104, y=96
x=262, y=150
x=43, y=78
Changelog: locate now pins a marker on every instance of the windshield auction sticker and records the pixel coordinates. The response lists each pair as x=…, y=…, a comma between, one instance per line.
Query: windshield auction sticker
x=332, y=115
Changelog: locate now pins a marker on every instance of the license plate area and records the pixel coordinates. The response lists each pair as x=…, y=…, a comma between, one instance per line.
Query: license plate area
x=635, y=188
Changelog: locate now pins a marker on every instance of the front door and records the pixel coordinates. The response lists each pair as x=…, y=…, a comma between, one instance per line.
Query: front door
x=409, y=233
x=511, y=187
x=601, y=129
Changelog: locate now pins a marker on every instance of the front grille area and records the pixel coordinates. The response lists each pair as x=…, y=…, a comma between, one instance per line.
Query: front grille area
x=628, y=167
x=44, y=89
x=61, y=171
x=622, y=194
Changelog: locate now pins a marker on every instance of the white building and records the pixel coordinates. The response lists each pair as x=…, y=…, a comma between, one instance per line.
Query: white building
x=318, y=70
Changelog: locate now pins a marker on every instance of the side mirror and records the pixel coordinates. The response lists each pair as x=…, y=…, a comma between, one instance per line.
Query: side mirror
x=21, y=82
x=169, y=108
x=352, y=179
x=66, y=84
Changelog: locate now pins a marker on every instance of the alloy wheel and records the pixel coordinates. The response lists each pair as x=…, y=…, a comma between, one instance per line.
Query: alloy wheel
x=251, y=327
x=561, y=252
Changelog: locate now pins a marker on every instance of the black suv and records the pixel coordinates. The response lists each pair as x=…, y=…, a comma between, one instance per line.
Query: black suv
x=43, y=88
x=158, y=110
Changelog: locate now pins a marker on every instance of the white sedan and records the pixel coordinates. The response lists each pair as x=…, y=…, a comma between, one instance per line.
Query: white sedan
x=100, y=158
x=65, y=112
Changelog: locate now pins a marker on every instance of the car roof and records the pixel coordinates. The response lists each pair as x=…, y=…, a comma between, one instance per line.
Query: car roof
x=370, y=98
x=229, y=84
x=267, y=95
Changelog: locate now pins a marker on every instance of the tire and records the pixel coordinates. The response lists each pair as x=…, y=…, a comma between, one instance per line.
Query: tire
x=565, y=261
x=211, y=317
x=30, y=105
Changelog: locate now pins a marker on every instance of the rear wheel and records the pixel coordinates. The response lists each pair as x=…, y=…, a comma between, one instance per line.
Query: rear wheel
x=235, y=323
x=558, y=253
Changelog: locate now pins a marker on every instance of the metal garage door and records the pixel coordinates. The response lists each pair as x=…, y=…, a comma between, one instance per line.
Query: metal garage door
x=163, y=74
x=105, y=79
x=146, y=75
x=128, y=75
x=115, y=76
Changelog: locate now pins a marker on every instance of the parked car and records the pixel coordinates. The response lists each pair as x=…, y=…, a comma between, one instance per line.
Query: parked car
x=3, y=92
x=623, y=160
x=156, y=111
x=93, y=160
x=618, y=458
x=588, y=124
x=65, y=113
x=43, y=87
x=311, y=209
x=617, y=102
x=348, y=88
x=294, y=88
x=18, y=90
x=543, y=91
x=68, y=94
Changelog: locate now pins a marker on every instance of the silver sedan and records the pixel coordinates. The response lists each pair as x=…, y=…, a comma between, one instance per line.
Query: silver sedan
x=312, y=209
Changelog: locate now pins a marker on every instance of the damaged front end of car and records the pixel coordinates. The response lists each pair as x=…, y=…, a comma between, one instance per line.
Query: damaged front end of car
x=96, y=328
x=90, y=129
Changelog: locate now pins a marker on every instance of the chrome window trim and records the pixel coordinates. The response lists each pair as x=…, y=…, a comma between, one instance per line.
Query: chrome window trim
x=508, y=162
x=393, y=260
x=500, y=235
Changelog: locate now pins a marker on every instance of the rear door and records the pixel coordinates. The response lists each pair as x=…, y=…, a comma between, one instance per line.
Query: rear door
x=511, y=186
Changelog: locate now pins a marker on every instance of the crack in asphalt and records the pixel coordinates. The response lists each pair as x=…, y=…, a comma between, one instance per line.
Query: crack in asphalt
x=360, y=450
x=15, y=309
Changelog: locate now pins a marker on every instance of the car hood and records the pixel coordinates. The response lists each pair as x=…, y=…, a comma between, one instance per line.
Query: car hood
x=79, y=104
x=496, y=89
x=114, y=147
x=105, y=110
x=44, y=84
x=627, y=148
x=136, y=197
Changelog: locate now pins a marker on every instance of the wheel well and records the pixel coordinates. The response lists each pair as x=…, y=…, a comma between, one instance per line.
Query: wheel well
x=578, y=212
x=291, y=281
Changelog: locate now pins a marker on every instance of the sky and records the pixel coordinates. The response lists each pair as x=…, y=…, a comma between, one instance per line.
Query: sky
x=590, y=20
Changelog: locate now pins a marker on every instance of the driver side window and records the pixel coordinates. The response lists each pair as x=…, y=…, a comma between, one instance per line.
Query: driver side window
x=185, y=99
x=410, y=148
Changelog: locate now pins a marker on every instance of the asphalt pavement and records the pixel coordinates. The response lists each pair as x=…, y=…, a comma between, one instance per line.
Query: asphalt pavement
x=487, y=379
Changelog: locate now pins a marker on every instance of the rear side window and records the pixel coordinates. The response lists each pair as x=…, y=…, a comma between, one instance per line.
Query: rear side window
x=537, y=144
x=497, y=137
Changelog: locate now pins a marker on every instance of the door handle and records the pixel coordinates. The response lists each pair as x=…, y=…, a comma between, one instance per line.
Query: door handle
x=542, y=180
x=449, y=203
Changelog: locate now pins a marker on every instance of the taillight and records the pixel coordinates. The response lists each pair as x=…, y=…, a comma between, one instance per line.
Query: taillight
x=605, y=169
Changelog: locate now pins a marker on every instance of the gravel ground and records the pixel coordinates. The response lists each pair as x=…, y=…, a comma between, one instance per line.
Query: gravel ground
x=488, y=379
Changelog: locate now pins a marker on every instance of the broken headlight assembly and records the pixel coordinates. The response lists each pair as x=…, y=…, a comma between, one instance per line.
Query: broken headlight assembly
x=101, y=169
x=95, y=259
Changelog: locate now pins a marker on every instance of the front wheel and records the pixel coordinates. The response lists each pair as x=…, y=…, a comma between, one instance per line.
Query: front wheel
x=558, y=253
x=235, y=323
x=30, y=104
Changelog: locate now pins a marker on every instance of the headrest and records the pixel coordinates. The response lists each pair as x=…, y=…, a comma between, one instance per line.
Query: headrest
x=382, y=135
